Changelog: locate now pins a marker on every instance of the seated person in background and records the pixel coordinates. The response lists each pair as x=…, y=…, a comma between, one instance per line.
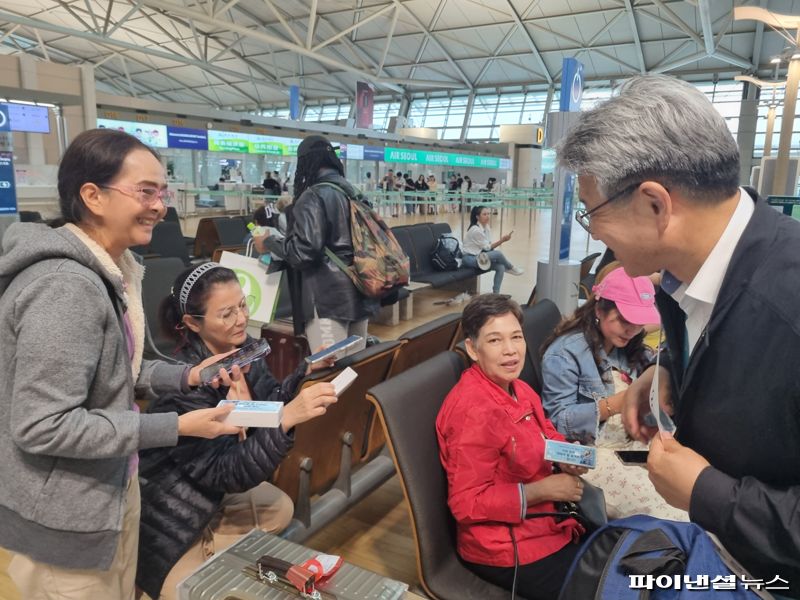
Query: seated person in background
x=202, y=495
x=492, y=430
x=588, y=363
x=479, y=239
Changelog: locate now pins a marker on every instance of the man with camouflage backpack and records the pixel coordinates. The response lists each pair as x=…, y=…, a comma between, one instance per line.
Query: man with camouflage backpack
x=325, y=300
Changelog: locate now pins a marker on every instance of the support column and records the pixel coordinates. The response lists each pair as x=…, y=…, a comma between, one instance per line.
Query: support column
x=770, y=129
x=779, y=184
x=29, y=80
x=467, y=116
x=88, y=91
x=746, y=134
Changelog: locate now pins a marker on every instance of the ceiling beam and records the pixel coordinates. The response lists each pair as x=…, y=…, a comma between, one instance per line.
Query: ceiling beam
x=113, y=42
x=529, y=39
x=509, y=34
x=107, y=20
x=388, y=40
x=635, y=32
x=424, y=44
x=312, y=24
x=676, y=21
x=435, y=42
x=124, y=19
x=355, y=26
x=704, y=8
x=758, y=41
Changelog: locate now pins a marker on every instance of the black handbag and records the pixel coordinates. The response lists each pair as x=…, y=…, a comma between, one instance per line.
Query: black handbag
x=589, y=511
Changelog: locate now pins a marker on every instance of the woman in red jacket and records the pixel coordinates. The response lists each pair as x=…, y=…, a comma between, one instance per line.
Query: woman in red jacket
x=492, y=432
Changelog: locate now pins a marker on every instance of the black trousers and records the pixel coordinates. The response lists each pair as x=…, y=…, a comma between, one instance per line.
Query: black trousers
x=540, y=580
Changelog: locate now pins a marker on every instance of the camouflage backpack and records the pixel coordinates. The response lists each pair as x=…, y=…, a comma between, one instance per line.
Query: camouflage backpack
x=379, y=263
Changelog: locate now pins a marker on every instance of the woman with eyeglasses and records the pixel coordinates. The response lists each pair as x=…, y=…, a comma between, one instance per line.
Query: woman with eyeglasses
x=72, y=328
x=198, y=498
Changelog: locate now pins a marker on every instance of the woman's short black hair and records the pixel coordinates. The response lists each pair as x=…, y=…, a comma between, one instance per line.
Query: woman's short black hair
x=482, y=308
x=94, y=156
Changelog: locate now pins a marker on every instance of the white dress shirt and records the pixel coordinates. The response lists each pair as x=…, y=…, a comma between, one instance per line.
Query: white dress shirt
x=697, y=298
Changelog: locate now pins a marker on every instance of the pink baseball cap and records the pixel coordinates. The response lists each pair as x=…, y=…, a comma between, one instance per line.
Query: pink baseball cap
x=635, y=297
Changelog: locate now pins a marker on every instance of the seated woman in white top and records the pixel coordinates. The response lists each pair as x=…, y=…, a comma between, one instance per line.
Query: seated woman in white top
x=479, y=239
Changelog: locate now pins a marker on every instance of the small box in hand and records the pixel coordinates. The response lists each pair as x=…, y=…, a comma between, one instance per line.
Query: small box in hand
x=254, y=413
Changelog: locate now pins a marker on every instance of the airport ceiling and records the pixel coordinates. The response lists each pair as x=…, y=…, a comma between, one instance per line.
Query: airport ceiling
x=244, y=54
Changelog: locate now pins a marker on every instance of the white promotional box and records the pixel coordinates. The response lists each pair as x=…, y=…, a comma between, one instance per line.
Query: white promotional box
x=253, y=413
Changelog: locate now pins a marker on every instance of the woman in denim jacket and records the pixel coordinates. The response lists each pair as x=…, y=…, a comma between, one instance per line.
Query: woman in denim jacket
x=588, y=363
x=593, y=355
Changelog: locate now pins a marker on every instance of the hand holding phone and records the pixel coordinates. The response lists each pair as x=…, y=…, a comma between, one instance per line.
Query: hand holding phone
x=332, y=350
x=241, y=358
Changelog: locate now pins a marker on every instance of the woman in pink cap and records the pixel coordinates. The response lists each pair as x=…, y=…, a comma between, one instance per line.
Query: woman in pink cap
x=588, y=363
x=593, y=354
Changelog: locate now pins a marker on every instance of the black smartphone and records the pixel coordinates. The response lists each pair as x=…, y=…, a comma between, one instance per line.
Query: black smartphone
x=331, y=350
x=242, y=357
x=632, y=457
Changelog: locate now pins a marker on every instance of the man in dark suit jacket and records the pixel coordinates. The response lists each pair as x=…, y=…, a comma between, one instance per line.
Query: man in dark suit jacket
x=658, y=172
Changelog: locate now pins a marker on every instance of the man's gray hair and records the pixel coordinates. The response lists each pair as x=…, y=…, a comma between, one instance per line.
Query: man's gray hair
x=656, y=128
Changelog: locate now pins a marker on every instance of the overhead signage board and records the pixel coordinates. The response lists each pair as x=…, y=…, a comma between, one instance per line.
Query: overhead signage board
x=190, y=139
x=152, y=134
x=28, y=118
x=447, y=159
x=250, y=143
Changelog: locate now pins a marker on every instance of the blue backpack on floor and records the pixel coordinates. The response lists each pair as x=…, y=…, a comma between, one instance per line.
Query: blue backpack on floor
x=642, y=557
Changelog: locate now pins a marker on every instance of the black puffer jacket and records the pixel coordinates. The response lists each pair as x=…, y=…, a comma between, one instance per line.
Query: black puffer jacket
x=183, y=486
x=320, y=218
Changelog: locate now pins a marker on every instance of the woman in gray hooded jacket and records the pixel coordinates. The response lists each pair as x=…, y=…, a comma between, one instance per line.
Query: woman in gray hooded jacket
x=72, y=326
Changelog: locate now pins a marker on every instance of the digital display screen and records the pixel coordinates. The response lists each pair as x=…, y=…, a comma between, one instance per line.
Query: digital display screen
x=28, y=118
x=151, y=134
x=181, y=137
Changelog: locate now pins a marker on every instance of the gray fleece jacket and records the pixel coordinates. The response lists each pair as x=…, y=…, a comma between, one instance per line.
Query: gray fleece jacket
x=67, y=428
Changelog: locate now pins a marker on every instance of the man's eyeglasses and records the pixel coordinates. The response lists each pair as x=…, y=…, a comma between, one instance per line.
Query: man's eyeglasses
x=583, y=216
x=146, y=195
x=229, y=316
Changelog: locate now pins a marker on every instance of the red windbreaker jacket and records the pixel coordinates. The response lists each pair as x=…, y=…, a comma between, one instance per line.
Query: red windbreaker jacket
x=490, y=445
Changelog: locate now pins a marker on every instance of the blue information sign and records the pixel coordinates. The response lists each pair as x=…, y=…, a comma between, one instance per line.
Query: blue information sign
x=182, y=137
x=294, y=102
x=566, y=219
x=571, y=85
x=8, y=191
x=373, y=153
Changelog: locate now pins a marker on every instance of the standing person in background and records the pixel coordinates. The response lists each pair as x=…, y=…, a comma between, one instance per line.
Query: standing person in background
x=452, y=188
x=409, y=187
x=369, y=183
x=387, y=185
x=479, y=239
x=422, y=186
x=72, y=326
x=399, y=186
x=432, y=187
x=325, y=303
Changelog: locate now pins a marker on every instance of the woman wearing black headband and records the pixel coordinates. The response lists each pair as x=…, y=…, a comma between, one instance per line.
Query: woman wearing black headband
x=199, y=496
